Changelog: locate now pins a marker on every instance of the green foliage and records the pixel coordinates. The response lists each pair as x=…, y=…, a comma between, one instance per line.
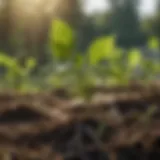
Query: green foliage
x=104, y=63
x=134, y=58
x=16, y=75
x=153, y=43
x=62, y=40
x=102, y=49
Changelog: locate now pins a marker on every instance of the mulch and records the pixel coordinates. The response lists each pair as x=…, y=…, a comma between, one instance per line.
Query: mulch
x=116, y=123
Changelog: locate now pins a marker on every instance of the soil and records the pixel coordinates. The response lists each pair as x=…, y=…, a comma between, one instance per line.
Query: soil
x=117, y=123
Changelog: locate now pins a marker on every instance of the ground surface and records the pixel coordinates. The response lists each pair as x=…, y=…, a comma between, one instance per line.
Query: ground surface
x=121, y=123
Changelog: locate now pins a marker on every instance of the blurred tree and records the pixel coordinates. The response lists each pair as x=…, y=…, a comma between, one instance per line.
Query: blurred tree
x=26, y=24
x=102, y=21
x=153, y=23
x=93, y=26
x=4, y=24
x=87, y=32
x=86, y=28
x=125, y=22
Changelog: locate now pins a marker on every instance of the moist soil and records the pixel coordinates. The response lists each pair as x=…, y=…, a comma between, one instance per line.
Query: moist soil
x=116, y=123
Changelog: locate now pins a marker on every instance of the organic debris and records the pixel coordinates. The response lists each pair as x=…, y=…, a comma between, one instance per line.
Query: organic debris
x=116, y=124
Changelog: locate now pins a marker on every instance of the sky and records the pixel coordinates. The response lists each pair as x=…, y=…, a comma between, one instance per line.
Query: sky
x=147, y=6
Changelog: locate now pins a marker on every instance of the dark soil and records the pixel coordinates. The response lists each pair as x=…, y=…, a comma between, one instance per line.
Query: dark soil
x=120, y=123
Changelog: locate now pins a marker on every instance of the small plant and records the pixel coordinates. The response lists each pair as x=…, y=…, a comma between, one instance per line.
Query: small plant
x=16, y=76
x=103, y=63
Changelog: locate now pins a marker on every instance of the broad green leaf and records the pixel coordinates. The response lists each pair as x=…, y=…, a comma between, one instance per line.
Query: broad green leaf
x=62, y=39
x=153, y=43
x=134, y=58
x=5, y=60
x=102, y=48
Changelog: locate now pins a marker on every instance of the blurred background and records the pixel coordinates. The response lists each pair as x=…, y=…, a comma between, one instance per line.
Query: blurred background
x=24, y=24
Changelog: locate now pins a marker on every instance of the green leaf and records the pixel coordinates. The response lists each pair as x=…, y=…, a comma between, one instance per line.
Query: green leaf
x=6, y=60
x=102, y=48
x=62, y=39
x=153, y=43
x=134, y=58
